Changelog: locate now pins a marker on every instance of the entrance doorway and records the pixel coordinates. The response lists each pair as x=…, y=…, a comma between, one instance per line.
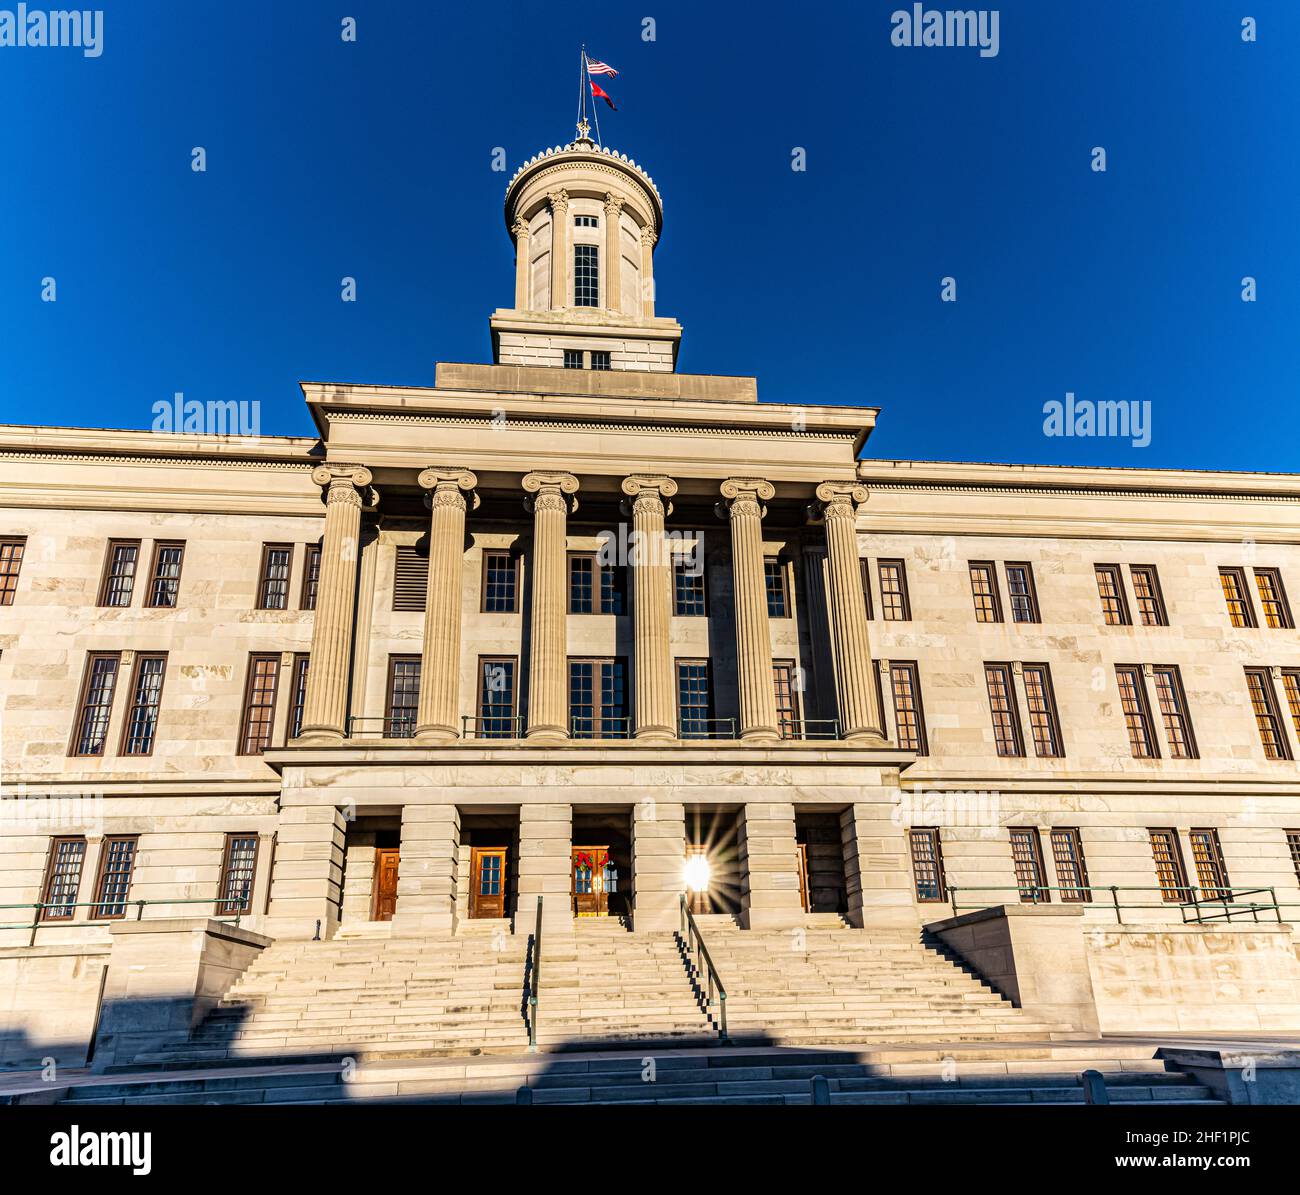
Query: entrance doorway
x=819, y=857
x=489, y=846
x=600, y=864
x=385, y=884
x=713, y=834
x=487, y=881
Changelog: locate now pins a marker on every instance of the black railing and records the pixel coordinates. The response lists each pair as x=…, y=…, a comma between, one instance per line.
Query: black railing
x=110, y=910
x=492, y=726
x=706, y=728
x=810, y=728
x=534, y=977
x=691, y=933
x=588, y=726
x=1215, y=904
x=400, y=727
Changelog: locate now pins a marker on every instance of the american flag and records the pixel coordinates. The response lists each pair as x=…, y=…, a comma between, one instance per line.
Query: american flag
x=600, y=68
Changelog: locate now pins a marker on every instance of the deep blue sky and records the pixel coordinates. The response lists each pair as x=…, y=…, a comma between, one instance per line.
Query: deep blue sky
x=373, y=160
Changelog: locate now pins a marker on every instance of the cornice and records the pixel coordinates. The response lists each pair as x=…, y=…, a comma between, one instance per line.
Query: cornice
x=126, y=458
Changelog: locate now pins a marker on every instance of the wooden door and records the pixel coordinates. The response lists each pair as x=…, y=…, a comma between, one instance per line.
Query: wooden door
x=385, y=884
x=801, y=851
x=590, y=898
x=487, y=881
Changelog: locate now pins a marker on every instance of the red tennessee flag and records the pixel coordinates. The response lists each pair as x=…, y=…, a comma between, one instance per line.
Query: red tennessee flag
x=601, y=94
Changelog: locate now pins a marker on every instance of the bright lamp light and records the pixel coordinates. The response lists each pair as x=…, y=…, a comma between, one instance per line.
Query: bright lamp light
x=696, y=873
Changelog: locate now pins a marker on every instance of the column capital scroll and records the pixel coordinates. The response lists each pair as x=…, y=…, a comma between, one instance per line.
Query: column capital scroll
x=639, y=483
x=549, y=486
x=841, y=499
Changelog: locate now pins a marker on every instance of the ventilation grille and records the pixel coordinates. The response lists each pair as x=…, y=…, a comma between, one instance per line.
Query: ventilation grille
x=410, y=580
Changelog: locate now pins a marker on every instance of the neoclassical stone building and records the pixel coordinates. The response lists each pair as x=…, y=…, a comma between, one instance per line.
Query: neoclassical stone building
x=558, y=625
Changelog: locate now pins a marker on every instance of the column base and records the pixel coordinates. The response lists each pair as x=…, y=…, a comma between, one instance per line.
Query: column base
x=433, y=735
x=547, y=734
x=865, y=736
x=316, y=736
x=760, y=734
x=655, y=734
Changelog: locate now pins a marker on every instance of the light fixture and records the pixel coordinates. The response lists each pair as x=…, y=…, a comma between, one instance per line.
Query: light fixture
x=696, y=873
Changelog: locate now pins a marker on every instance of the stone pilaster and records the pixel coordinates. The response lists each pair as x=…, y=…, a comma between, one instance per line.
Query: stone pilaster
x=523, y=253
x=877, y=869
x=325, y=710
x=548, y=705
x=850, y=633
x=437, y=720
x=560, y=238
x=307, y=876
x=652, y=580
x=613, y=252
x=648, y=272
x=745, y=497
x=545, y=868
x=769, y=868
x=658, y=859
x=427, y=871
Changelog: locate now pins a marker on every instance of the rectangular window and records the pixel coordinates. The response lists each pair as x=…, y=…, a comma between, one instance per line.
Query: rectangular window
x=1272, y=599
x=601, y=359
x=927, y=866
x=1002, y=706
x=778, y=597
x=273, y=583
x=595, y=588
x=1071, y=869
x=1173, y=711
x=1293, y=845
x=694, y=700
x=146, y=699
x=165, y=575
x=1207, y=855
x=909, y=718
x=1044, y=725
x=572, y=358
x=984, y=589
x=403, y=702
x=496, y=697
x=586, y=221
x=894, y=605
x=500, y=588
x=689, y=600
x=1021, y=593
x=1291, y=686
x=238, y=868
x=301, y=662
x=410, y=578
x=864, y=567
x=116, y=863
x=1137, y=714
x=1171, y=875
x=1027, y=858
x=62, y=879
x=787, y=699
x=1146, y=592
x=1240, y=612
x=11, y=563
x=586, y=276
x=1267, y=717
x=598, y=699
x=311, y=577
x=119, y=572
x=96, y=703
x=259, y=704
x=1110, y=585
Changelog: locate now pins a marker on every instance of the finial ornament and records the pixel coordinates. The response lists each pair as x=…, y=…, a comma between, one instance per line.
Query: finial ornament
x=583, y=129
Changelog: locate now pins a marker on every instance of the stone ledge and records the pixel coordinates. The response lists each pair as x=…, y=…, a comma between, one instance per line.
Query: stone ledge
x=998, y=912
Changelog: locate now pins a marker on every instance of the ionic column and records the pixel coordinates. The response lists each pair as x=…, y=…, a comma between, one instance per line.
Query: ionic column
x=745, y=497
x=654, y=699
x=613, y=252
x=850, y=633
x=436, y=721
x=648, y=272
x=559, y=249
x=523, y=252
x=548, y=660
x=325, y=707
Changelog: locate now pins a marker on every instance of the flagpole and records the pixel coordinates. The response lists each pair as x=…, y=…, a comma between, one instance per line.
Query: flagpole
x=582, y=92
x=594, y=114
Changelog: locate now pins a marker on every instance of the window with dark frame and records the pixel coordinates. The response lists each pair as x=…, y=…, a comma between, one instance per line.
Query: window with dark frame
x=596, y=587
x=1002, y=706
x=402, y=704
x=787, y=699
x=1137, y=713
x=165, y=575
x=1272, y=599
x=273, y=582
x=1291, y=687
x=909, y=717
x=116, y=865
x=146, y=700
x=1110, y=587
x=500, y=587
x=689, y=595
x=1259, y=684
x=1027, y=859
x=1071, y=868
x=864, y=568
x=311, y=577
x=1171, y=875
x=238, y=870
x=694, y=700
x=1207, y=857
x=1240, y=611
x=11, y=564
x=774, y=581
x=894, y=604
x=586, y=276
x=95, y=707
x=1040, y=700
x=601, y=359
x=984, y=591
x=1021, y=592
x=497, y=697
x=62, y=878
x=1293, y=845
x=1172, y=701
x=259, y=703
x=572, y=358
x=119, y=572
x=598, y=699
x=301, y=663
x=1146, y=593
x=927, y=865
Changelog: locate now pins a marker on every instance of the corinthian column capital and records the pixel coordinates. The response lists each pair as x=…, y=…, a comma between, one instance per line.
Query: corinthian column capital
x=520, y=228
x=559, y=201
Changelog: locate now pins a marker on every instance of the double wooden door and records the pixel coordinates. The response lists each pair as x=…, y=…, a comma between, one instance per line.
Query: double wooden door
x=384, y=894
x=487, y=881
x=594, y=878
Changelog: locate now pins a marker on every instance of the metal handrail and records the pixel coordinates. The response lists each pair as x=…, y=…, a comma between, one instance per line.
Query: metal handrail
x=692, y=931
x=709, y=724
x=801, y=728
x=358, y=727
x=139, y=906
x=1225, y=899
x=610, y=728
x=535, y=979
x=469, y=726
